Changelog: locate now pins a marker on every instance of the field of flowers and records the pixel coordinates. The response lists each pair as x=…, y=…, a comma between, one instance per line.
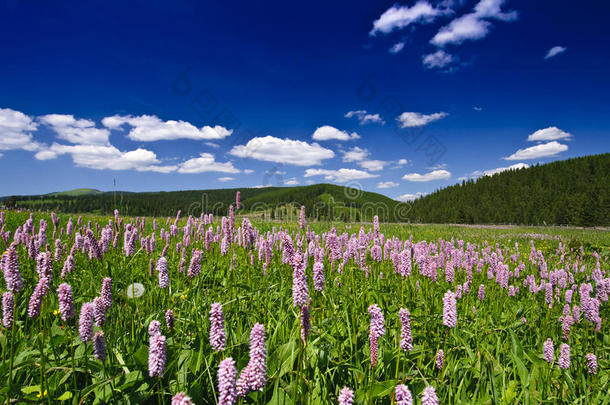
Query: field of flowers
x=220, y=310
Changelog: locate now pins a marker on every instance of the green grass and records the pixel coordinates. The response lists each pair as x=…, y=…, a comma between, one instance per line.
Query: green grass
x=490, y=357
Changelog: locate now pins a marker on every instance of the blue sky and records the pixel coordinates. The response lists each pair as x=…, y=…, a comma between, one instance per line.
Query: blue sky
x=400, y=98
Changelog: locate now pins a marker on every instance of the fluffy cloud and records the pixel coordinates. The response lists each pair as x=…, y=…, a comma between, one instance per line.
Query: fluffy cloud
x=410, y=197
x=387, y=184
x=438, y=59
x=15, y=130
x=373, y=165
x=554, y=51
x=355, y=154
x=397, y=47
x=430, y=176
x=106, y=157
x=291, y=182
x=206, y=163
x=289, y=151
x=77, y=131
x=148, y=128
x=364, y=117
x=341, y=175
x=398, y=17
x=538, y=151
x=223, y=179
x=401, y=162
x=326, y=132
x=549, y=134
x=473, y=26
x=415, y=119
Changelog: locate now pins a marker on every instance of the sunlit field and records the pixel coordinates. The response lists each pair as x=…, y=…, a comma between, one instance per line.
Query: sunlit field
x=221, y=310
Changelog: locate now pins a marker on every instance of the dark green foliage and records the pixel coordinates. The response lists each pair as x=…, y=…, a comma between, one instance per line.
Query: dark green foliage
x=569, y=192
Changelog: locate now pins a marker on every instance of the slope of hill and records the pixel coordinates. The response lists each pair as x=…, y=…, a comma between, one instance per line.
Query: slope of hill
x=569, y=192
x=322, y=201
x=76, y=192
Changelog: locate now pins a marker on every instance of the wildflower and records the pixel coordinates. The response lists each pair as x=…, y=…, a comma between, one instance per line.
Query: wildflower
x=169, y=319
x=449, y=310
x=406, y=340
x=154, y=328
x=85, y=322
x=135, y=290
x=12, y=276
x=440, y=358
x=227, y=392
x=66, y=304
x=403, y=395
x=40, y=291
x=376, y=331
x=156, y=355
x=481, y=292
x=254, y=376
x=548, y=351
x=163, y=274
x=429, y=396
x=106, y=292
x=305, y=321
x=99, y=311
x=99, y=346
x=318, y=276
x=182, y=399
x=217, y=329
x=346, y=396
x=591, y=363
x=8, y=306
x=564, y=356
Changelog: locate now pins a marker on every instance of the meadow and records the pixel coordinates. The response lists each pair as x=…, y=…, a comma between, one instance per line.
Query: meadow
x=213, y=310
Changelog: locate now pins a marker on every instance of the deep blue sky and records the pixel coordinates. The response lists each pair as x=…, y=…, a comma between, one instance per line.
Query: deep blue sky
x=283, y=69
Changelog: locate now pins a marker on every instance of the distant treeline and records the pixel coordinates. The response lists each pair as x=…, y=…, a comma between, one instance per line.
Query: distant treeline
x=568, y=192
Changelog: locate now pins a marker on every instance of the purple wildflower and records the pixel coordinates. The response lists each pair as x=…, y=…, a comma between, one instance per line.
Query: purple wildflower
x=302, y=220
x=449, y=310
x=12, y=276
x=106, y=293
x=8, y=305
x=564, y=356
x=429, y=396
x=163, y=274
x=66, y=304
x=169, y=319
x=591, y=363
x=254, y=376
x=99, y=311
x=154, y=328
x=403, y=395
x=300, y=293
x=85, y=322
x=305, y=321
x=238, y=200
x=440, y=358
x=406, y=340
x=99, y=346
x=376, y=331
x=181, y=399
x=68, y=266
x=156, y=355
x=318, y=276
x=217, y=329
x=346, y=396
x=40, y=291
x=548, y=351
x=227, y=392
x=481, y=292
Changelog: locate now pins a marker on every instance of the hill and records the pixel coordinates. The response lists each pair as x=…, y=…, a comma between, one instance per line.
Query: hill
x=322, y=201
x=76, y=192
x=569, y=192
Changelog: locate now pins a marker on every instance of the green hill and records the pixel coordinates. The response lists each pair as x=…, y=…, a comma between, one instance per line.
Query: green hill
x=76, y=192
x=322, y=201
x=569, y=192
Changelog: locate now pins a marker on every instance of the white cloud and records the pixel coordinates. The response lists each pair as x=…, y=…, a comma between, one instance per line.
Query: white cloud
x=106, y=157
x=438, y=166
x=291, y=182
x=76, y=131
x=398, y=17
x=430, y=176
x=206, y=163
x=554, y=51
x=212, y=145
x=326, y=132
x=402, y=162
x=473, y=26
x=438, y=59
x=538, y=151
x=410, y=197
x=341, y=175
x=355, y=154
x=364, y=117
x=503, y=169
x=415, y=119
x=397, y=47
x=15, y=130
x=549, y=134
x=223, y=179
x=477, y=108
x=372, y=165
x=149, y=128
x=248, y=171
x=387, y=184
x=289, y=151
